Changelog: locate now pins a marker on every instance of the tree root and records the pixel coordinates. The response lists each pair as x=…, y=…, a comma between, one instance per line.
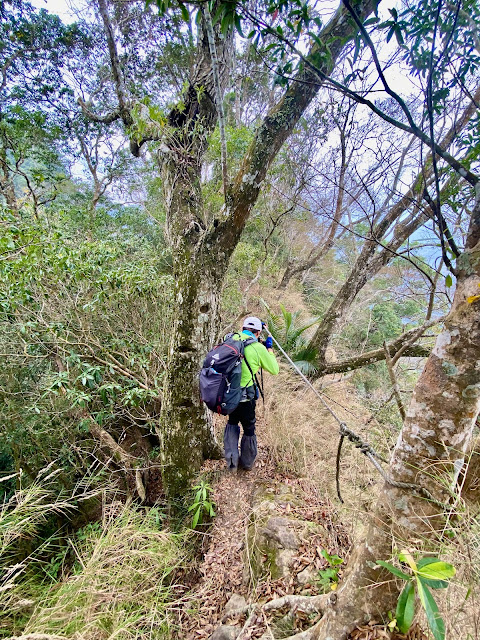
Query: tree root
x=305, y=604
x=308, y=634
x=250, y=621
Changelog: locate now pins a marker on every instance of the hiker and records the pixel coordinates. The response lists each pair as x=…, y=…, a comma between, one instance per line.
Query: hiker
x=258, y=356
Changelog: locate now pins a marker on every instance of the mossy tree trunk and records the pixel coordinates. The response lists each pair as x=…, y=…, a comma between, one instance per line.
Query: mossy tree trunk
x=202, y=247
x=430, y=450
x=185, y=428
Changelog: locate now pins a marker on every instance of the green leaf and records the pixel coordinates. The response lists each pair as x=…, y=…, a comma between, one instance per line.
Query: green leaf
x=184, y=12
x=196, y=517
x=435, y=621
x=399, y=35
x=436, y=570
x=238, y=25
x=435, y=584
x=394, y=570
x=448, y=281
x=406, y=608
x=357, y=49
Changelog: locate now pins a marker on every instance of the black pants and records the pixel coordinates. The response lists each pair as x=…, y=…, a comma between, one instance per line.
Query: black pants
x=245, y=414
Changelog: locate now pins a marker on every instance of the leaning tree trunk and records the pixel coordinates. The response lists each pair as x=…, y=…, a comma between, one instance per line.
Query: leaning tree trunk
x=202, y=248
x=432, y=444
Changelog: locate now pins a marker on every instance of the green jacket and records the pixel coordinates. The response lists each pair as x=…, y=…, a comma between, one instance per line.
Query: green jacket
x=258, y=357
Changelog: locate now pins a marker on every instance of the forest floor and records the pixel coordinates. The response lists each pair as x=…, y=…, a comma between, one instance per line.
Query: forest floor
x=224, y=570
x=234, y=563
x=292, y=486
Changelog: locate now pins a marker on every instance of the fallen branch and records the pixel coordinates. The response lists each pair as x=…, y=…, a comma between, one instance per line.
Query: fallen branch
x=118, y=453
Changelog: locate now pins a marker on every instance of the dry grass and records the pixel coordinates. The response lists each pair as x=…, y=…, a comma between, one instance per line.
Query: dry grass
x=120, y=584
x=303, y=439
x=303, y=435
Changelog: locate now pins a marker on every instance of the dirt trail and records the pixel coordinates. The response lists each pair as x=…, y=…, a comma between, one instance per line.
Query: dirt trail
x=222, y=571
x=296, y=465
x=222, y=566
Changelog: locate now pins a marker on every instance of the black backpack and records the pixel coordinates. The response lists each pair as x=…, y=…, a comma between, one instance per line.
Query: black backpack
x=221, y=372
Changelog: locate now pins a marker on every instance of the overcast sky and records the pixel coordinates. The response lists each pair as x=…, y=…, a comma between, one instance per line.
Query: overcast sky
x=59, y=7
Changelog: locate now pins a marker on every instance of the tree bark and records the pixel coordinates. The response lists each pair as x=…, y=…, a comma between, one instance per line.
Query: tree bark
x=185, y=431
x=201, y=249
x=432, y=445
x=7, y=187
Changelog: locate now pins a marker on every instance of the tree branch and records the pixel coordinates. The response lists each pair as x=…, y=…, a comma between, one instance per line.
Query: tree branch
x=279, y=123
x=124, y=107
x=218, y=94
x=106, y=119
x=402, y=345
x=465, y=173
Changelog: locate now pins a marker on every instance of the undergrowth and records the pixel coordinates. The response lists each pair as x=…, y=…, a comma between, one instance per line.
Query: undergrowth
x=112, y=578
x=120, y=583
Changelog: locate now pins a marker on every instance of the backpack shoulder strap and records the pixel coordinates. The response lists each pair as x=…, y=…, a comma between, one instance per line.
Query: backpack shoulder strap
x=246, y=342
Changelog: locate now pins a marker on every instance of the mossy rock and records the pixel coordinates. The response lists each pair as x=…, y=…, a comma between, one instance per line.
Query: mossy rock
x=272, y=539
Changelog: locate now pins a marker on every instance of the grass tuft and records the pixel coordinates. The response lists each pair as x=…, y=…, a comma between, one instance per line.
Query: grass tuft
x=119, y=586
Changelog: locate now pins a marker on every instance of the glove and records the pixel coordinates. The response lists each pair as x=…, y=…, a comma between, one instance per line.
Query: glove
x=269, y=342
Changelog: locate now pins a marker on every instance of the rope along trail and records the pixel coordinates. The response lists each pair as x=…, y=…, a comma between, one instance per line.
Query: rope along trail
x=361, y=444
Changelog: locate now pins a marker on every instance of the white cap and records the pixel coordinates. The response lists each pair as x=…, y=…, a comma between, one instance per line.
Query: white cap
x=252, y=323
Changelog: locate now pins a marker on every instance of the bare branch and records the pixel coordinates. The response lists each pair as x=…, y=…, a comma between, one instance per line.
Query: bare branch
x=402, y=345
x=218, y=94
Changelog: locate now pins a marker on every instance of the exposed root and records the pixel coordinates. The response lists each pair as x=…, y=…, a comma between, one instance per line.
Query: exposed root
x=235, y=613
x=306, y=604
x=252, y=618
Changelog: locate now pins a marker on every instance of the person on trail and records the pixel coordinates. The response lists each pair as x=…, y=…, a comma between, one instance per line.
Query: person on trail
x=258, y=356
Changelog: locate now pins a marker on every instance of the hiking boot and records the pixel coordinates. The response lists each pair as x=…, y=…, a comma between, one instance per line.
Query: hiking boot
x=248, y=452
x=230, y=444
